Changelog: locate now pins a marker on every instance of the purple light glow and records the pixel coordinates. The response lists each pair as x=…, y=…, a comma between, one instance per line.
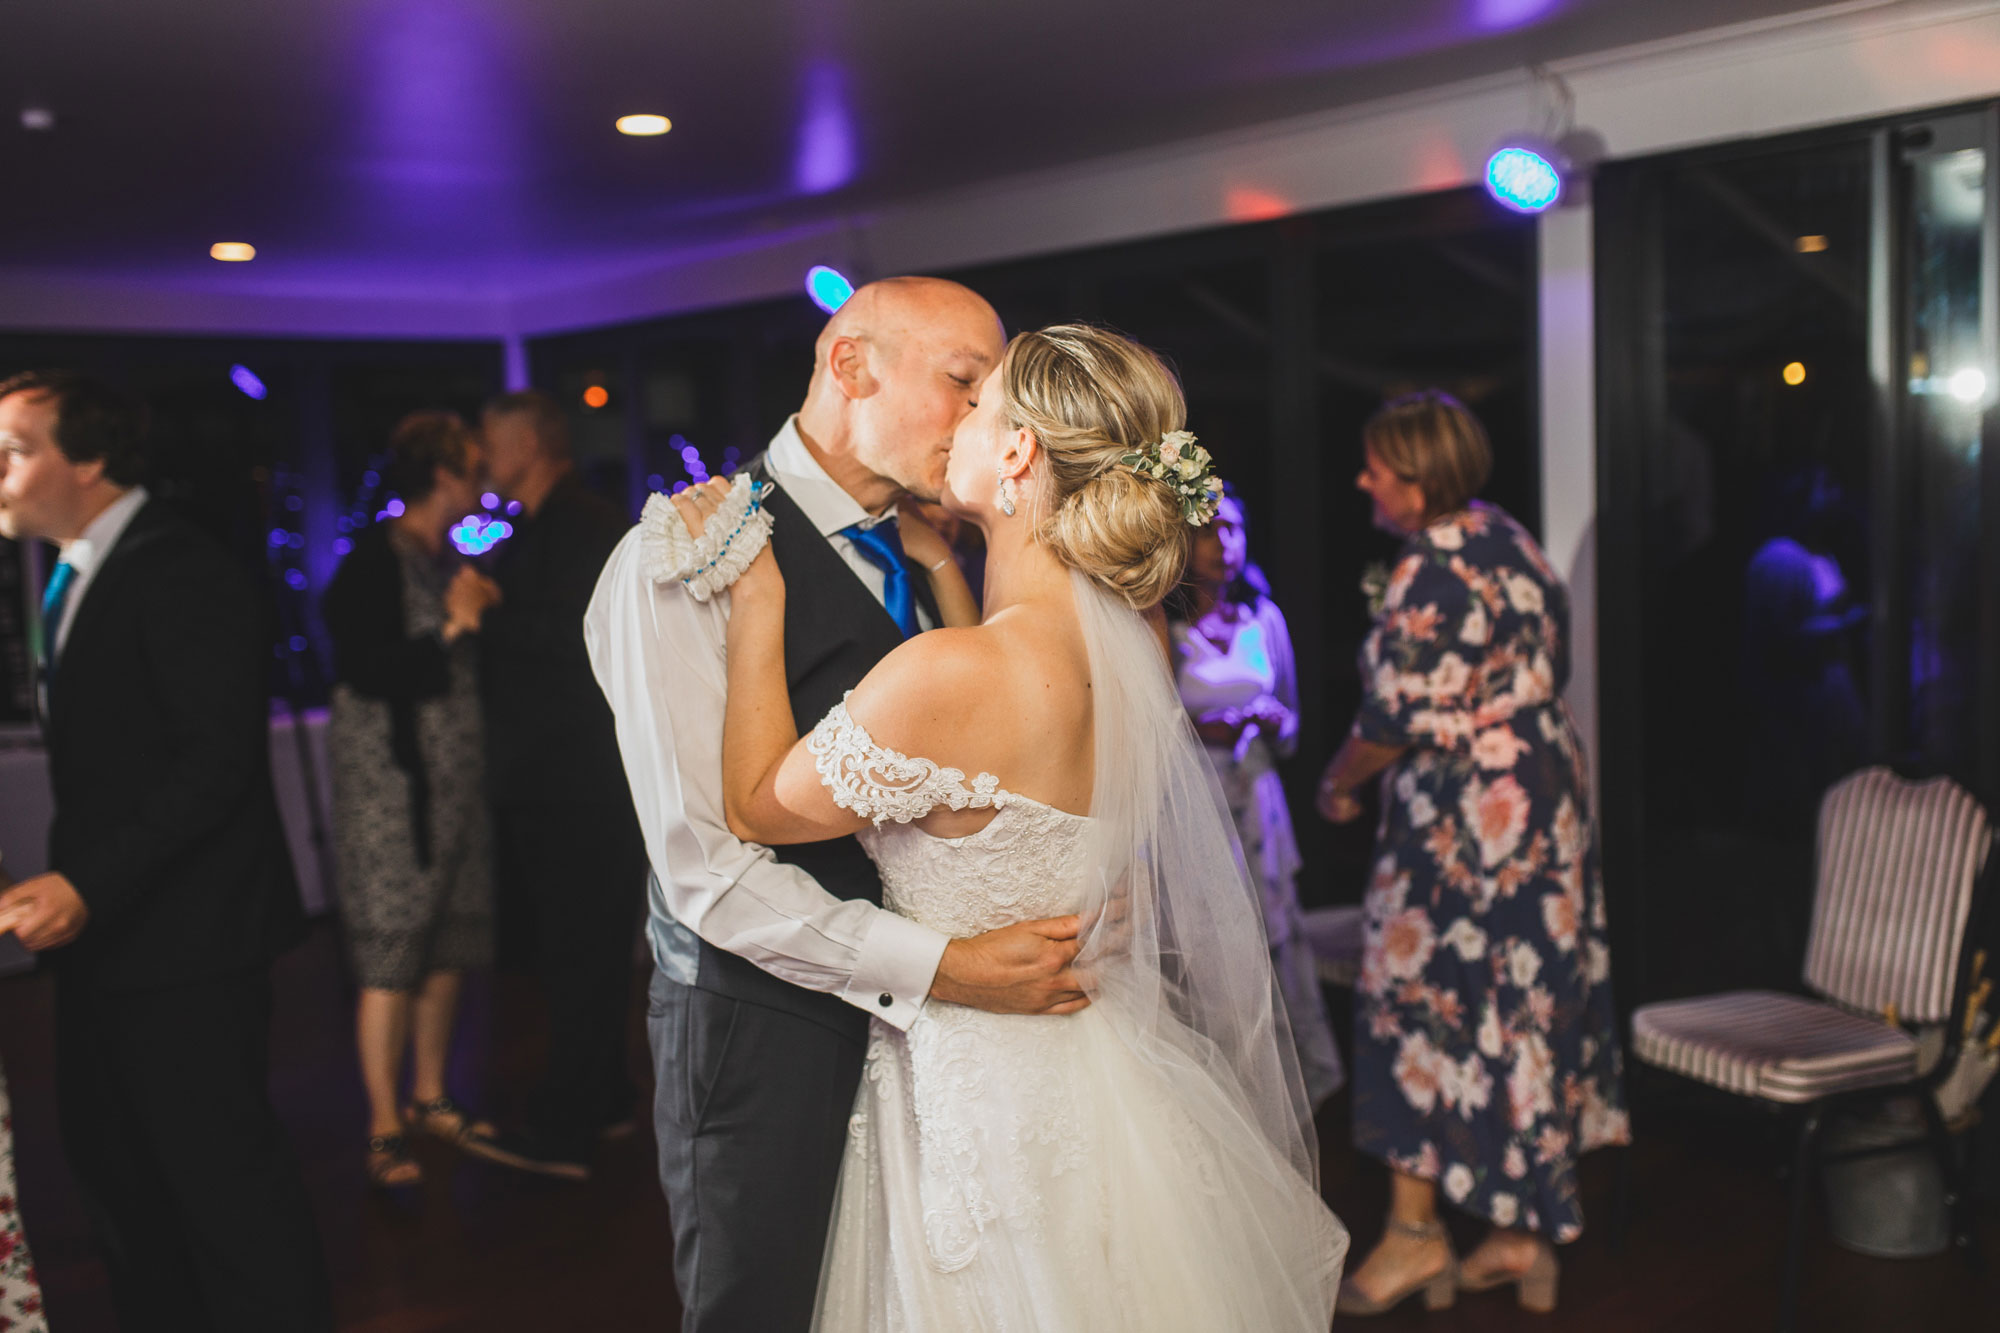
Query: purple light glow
x=246, y=379
x=1500, y=14
x=826, y=154
x=440, y=117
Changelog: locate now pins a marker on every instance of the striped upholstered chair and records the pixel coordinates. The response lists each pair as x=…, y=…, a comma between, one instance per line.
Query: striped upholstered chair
x=1900, y=865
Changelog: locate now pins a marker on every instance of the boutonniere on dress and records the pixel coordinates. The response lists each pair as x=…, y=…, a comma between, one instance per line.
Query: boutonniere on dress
x=729, y=541
x=1375, y=587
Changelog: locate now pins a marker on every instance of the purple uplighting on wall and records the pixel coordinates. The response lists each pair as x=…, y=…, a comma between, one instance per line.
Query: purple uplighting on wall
x=1501, y=14
x=826, y=156
x=440, y=131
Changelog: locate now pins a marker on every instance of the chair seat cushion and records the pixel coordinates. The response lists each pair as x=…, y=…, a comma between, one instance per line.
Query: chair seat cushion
x=1335, y=936
x=1766, y=1044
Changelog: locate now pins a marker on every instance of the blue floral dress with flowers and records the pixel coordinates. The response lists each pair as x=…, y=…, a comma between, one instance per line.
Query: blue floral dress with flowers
x=1486, y=1050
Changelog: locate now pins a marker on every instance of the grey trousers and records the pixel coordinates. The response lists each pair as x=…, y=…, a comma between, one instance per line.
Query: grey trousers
x=750, y=1108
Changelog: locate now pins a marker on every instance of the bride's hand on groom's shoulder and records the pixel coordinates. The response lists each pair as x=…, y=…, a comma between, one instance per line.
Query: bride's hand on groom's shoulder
x=696, y=506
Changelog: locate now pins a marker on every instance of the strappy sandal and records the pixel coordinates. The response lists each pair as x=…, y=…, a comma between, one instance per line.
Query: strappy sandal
x=443, y=1118
x=1440, y=1289
x=1536, y=1283
x=388, y=1155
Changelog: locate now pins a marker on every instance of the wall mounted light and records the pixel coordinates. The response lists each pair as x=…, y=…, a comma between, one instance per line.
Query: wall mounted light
x=828, y=288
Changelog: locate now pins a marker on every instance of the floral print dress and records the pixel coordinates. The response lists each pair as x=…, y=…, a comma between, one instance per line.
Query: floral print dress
x=20, y=1295
x=1486, y=1053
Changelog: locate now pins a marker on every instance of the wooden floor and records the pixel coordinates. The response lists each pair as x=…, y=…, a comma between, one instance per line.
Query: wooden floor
x=489, y=1250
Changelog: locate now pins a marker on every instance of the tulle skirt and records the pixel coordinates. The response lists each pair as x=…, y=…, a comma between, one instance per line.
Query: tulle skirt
x=1040, y=1175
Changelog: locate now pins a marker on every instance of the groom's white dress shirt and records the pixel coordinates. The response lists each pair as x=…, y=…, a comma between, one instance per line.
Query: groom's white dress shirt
x=86, y=553
x=659, y=656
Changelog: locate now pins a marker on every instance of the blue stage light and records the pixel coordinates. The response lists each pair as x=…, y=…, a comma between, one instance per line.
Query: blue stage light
x=828, y=289
x=1523, y=179
x=246, y=379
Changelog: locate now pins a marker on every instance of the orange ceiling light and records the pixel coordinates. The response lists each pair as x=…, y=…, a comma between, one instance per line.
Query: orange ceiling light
x=644, y=126
x=233, y=252
x=596, y=396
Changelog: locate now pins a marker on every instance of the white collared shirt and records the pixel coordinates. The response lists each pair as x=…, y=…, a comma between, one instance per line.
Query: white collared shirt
x=85, y=555
x=659, y=657
x=831, y=509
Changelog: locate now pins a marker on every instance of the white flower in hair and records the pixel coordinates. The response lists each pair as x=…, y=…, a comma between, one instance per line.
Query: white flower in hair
x=1184, y=465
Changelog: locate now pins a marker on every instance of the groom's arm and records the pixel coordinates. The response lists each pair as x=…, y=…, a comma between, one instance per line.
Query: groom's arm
x=658, y=656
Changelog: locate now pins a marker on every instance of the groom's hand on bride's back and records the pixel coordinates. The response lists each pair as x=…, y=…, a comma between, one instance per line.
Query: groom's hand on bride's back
x=1021, y=969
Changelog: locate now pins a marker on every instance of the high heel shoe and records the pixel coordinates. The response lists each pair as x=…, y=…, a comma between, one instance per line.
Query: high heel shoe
x=1440, y=1289
x=1537, y=1283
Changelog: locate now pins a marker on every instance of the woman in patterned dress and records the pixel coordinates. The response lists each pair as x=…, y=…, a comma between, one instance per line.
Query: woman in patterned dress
x=410, y=826
x=1233, y=667
x=1486, y=1055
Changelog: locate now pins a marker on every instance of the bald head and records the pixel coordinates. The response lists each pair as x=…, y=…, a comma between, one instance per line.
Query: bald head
x=890, y=314
x=894, y=372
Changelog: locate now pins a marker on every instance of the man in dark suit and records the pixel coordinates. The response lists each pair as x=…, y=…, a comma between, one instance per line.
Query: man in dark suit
x=171, y=888
x=569, y=861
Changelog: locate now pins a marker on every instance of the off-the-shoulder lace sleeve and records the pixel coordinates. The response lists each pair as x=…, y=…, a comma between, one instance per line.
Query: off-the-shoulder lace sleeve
x=882, y=785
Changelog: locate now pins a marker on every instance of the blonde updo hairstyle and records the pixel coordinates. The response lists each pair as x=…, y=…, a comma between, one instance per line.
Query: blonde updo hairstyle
x=1090, y=397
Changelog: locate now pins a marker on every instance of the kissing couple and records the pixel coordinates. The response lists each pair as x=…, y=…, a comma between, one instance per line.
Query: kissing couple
x=964, y=1017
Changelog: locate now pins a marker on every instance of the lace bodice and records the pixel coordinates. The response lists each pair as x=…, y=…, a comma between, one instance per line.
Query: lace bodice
x=1025, y=865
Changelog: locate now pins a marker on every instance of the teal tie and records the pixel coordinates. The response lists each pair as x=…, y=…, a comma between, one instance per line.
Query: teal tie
x=54, y=599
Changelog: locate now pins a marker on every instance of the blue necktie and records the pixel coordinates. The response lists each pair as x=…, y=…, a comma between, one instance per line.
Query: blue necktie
x=882, y=547
x=54, y=597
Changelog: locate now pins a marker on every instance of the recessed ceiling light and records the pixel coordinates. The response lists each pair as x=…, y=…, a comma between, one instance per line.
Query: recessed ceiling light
x=596, y=396
x=37, y=118
x=643, y=126
x=1810, y=245
x=232, y=252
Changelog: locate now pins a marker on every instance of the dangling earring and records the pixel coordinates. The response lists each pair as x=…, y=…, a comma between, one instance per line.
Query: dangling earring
x=1006, y=492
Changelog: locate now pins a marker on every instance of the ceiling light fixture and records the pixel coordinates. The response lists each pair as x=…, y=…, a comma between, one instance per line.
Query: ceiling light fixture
x=596, y=396
x=1528, y=172
x=644, y=126
x=1810, y=245
x=233, y=252
x=828, y=287
x=1795, y=373
x=38, y=118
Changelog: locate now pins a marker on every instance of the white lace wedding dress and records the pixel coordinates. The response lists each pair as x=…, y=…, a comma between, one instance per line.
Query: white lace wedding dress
x=1036, y=1174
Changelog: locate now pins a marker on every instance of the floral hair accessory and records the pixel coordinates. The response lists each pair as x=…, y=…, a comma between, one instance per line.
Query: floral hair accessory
x=1184, y=465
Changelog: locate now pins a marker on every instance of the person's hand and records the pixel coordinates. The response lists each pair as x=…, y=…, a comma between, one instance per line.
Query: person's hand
x=761, y=581
x=44, y=912
x=921, y=542
x=1337, y=806
x=1019, y=969
x=1220, y=731
x=466, y=601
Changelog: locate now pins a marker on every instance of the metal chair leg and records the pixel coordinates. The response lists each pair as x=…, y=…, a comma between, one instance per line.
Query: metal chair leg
x=1795, y=1234
x=1957, y=1184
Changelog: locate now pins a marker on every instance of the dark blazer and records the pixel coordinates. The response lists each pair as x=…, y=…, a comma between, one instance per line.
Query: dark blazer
x=835, y=633
x=158, y=732
x=550, y=737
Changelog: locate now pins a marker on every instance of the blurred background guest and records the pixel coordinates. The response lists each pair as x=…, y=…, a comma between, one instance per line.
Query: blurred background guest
x=170, y=889
x=20, y=1294
x=411, y=837
x=1486, y=1053
x=1233, y=663
x=571, y=862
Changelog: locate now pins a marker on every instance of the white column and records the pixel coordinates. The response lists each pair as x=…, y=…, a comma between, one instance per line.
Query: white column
x=1569, y=445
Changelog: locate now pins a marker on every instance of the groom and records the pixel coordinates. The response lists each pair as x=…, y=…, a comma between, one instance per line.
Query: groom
x=771, y=961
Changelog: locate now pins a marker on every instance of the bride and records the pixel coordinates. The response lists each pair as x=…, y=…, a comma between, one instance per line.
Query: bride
x=1145, y=1161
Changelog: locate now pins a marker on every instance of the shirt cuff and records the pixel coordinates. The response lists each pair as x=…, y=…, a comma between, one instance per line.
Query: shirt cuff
x=893, y=974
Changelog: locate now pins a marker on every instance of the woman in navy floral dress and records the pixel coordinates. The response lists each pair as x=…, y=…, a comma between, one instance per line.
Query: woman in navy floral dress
x=1486, y=1057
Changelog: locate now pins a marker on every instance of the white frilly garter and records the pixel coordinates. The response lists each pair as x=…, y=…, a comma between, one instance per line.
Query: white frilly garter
x=729, y=541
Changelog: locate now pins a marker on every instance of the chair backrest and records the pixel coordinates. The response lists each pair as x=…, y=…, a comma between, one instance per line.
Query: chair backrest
x=1898, y=865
